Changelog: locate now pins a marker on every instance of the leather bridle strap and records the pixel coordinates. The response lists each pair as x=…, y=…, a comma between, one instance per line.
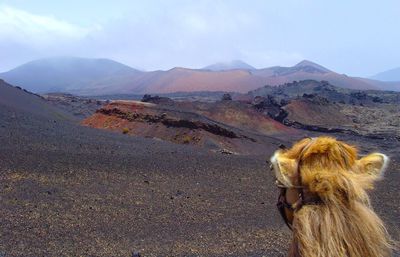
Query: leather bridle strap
x=300, y=202
x=303, y=200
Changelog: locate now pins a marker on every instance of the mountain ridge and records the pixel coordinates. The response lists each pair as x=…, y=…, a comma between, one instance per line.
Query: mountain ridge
x=84, y=76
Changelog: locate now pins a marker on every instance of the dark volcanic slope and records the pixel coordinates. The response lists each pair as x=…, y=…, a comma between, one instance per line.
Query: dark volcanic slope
x=21, y=100
x=74, y=191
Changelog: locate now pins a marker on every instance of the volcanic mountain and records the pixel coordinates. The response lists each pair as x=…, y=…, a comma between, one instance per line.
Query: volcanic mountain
x=306, y=70
x=104, y=77
x=68, y=74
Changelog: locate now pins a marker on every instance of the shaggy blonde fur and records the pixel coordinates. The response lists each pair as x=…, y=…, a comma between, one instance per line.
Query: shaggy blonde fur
x=344, y=224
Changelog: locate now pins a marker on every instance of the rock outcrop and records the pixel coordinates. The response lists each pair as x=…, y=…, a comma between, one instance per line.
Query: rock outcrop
x=169, y=121
x=321, y=107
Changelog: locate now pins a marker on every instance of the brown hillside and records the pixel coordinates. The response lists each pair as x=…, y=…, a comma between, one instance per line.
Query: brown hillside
x=217, y=126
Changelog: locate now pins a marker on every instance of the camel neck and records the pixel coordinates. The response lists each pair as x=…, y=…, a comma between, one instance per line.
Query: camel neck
x=294, y=249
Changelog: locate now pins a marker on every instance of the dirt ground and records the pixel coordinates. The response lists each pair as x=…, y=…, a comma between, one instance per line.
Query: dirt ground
x=68, y=190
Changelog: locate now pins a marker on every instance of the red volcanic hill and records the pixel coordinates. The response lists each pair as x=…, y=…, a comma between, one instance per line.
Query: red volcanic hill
x=104, y=77
x=222, y=126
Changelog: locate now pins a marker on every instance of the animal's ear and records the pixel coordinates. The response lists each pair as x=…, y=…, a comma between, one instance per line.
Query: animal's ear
x=285, y=169
x=374, y=164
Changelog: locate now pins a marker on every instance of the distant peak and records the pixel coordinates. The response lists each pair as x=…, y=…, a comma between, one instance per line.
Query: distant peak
x=307, y=63
x=178, y=69
x=238, y=62
x=231, y=65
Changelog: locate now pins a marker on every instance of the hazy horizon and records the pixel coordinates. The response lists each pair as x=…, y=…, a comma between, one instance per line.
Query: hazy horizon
x=341, y=36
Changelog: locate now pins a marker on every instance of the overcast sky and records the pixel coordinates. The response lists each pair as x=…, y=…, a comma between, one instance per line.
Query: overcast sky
x=354, y=37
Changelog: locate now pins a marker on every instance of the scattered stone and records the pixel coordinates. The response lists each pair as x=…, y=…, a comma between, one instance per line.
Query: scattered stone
x=136, y=254
x=179, y=193
x=226, y=151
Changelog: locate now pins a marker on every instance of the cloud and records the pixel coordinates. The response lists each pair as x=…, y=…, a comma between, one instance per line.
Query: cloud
x=34, y=30
x=158, y=34
x=25, y=36
x=153, y=36
x=192, y=35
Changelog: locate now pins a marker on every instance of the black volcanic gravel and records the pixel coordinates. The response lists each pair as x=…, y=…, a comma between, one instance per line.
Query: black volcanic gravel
x=68, y=190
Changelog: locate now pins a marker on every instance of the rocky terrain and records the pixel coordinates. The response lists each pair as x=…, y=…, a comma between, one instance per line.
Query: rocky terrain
x=72, y=190
x=79, y=107
x=320, y=106
x=202, y=96
x=269, y=111
x=329, y=91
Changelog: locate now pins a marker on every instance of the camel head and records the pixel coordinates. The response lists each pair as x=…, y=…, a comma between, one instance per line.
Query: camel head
x=324, y=185
x=328, y=168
